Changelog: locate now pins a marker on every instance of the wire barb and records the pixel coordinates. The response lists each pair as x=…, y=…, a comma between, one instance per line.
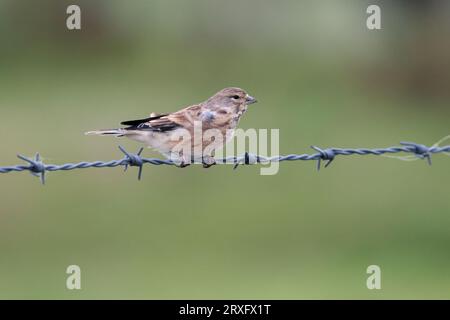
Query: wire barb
x=248, y=159
x=421, y=151
x=37, y=167
x=133, y=160
x=326, y=155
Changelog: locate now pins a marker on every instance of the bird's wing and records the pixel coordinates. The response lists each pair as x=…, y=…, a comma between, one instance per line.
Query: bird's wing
x=153, y=123
x=186, y=117
x=165, y=122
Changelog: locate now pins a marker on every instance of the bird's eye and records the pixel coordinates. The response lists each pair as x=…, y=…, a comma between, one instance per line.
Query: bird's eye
x=235, y=97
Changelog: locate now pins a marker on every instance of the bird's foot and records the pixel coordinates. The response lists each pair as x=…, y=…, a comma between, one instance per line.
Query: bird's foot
x=179, y=160
x=183, y=164
x=208, y=161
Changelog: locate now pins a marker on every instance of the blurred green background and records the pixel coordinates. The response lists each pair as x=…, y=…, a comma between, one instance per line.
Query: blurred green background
x=321, y=77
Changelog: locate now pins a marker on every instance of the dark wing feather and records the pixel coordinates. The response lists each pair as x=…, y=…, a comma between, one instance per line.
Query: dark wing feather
x=139, y=121
x=160, y=123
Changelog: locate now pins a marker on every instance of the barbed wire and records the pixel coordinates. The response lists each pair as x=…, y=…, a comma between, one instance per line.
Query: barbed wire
x=38, y=168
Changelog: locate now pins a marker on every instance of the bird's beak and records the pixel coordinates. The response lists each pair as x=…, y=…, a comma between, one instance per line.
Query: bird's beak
x=249, y=99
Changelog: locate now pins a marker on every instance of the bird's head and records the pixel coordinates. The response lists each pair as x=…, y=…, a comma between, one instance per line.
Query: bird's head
x=231, y=98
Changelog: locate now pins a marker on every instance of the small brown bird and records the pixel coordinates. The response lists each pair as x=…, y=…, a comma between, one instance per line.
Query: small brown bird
x=219, y=116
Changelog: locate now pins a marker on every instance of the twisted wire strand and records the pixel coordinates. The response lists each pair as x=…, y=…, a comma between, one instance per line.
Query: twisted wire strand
x=38, y=168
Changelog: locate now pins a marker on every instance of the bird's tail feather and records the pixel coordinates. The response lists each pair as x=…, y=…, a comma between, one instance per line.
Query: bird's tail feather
x=114, y=132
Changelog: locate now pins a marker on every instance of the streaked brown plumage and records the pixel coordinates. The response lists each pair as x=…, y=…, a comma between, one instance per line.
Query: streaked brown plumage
x=161, y=132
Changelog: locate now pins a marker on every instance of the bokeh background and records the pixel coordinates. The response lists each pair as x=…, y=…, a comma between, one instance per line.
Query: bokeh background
x=321, y=77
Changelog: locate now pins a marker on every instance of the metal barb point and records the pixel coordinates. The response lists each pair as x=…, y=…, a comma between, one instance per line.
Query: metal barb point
x=236, y=165
x=420, y=150
x=248, y=159
x=37, y=167
x=134, y=160
x=326, y=154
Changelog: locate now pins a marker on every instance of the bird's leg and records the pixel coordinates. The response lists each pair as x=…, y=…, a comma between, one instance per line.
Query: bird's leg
x=183, y=163
x=208, y=161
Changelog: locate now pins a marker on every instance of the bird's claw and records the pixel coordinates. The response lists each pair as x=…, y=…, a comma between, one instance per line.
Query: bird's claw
x=208, y=162
x=183, y=165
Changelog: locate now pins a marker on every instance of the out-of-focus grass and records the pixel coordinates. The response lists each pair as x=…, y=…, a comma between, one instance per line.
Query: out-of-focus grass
x=217, y=233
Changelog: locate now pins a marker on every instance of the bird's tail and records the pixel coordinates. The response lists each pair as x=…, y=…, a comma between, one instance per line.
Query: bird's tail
x=104, y=132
